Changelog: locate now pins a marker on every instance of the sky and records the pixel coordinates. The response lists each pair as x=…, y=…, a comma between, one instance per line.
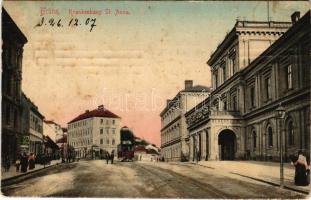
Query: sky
x=130, y=62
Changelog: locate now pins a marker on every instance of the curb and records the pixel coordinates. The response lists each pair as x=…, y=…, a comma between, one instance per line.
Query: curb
x=6, y=180
x=261, y=180
x=271, y=183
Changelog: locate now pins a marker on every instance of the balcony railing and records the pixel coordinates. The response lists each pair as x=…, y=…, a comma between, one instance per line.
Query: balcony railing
x=225, y=113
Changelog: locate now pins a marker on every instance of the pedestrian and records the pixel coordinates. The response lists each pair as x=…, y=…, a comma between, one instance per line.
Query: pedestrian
x=24, y=162
x=112, y=156
x=31, y=160
x=18, y=163
x=301, y=169
x=107, y=157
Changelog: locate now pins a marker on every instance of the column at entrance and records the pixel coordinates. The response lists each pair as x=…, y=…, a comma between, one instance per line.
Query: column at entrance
x=213, y=144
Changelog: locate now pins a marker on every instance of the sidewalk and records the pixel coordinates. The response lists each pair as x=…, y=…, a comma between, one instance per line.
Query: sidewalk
x=262, y=171
x=12, y=171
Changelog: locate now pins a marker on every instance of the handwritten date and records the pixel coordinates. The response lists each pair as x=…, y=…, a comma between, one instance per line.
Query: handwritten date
x=73, y=22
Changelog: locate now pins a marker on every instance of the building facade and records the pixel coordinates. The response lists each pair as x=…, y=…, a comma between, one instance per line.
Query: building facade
x=32, y=123
x=13, y=41
x=174, y=133
x=94, y=131
x=53, y=130
x=240, y=120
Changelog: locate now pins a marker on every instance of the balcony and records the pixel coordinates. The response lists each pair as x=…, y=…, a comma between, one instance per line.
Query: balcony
x=218, y=113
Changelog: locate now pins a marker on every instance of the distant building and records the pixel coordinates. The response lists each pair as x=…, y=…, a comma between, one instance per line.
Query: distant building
x=32, y=123
x=240, y=120
x=51, y=149
x=53, y=130
x=13, y=41
x=174, y=133
x=94, y=131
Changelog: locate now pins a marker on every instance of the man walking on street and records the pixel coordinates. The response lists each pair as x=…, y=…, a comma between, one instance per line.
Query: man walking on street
x=112, y=156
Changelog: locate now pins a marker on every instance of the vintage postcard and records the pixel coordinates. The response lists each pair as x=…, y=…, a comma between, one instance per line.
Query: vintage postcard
x=155, y=99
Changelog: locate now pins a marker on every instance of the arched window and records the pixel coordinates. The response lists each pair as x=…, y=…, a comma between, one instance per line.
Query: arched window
x=270, y=137
x=254, y=139
x=291, y=137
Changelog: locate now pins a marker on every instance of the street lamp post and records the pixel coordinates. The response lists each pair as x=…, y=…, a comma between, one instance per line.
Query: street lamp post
x=281, y=114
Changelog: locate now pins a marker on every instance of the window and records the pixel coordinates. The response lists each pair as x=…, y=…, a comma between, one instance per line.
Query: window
x=270, y=137
x=107, y=141
x=113, y=141
x=107, y=130
x=113, y=131
x=252, y=93
x=254, y=139
x=291, y=137
x=216, y=79
x=232, y=65
x=268, y=88
x=225, y=105
x=101, y=121
x=289, y=77
x=101, y=131
x=113, y=122
x=107, y=121
x=224, y=71
x=101, y=141
x=235, y=103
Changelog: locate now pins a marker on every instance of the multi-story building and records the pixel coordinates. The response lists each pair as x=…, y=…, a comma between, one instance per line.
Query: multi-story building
x=240, y=119
x=98, y=129
x=13, y=41
x=32, y=125
x=174, y=133
x=53, y=130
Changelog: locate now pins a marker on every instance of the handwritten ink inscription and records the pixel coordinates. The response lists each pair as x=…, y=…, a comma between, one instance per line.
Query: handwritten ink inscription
x=51, y=17
x=73, y=22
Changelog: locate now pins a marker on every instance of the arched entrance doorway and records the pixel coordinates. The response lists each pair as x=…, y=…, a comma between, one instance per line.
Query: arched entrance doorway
x=227, y=143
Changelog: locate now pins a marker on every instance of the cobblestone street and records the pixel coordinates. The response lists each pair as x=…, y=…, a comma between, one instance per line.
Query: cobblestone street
x=142, y=179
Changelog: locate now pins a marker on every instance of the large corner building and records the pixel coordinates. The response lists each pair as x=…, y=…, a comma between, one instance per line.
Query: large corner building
x=258, y=68
x=94, y=132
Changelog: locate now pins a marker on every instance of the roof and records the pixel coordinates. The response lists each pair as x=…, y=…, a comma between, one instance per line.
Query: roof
x=50, y=143
x=31, y=105
x=10, y=30
x=196, y=88
x=303, y=24
x=249, y=25
x=139, y=148
x=152, y=151
x=99, y=112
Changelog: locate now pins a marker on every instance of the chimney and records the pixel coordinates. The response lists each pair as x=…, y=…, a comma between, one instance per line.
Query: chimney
x=295, y=17
x=101, y=107
x=188, y=84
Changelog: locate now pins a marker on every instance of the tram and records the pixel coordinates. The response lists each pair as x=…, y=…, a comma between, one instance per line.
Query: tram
x=126, y=146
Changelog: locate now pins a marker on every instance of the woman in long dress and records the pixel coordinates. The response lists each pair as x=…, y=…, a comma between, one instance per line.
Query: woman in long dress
x=24, y=163
x=301, y=167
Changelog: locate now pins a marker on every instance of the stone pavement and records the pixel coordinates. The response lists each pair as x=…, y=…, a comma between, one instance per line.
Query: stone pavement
x=262, y=171
x=12, y=171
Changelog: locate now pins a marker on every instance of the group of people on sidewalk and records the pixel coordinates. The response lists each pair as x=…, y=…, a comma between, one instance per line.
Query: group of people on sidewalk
x=109, y=157
x=302, y=169
x=25, y=161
